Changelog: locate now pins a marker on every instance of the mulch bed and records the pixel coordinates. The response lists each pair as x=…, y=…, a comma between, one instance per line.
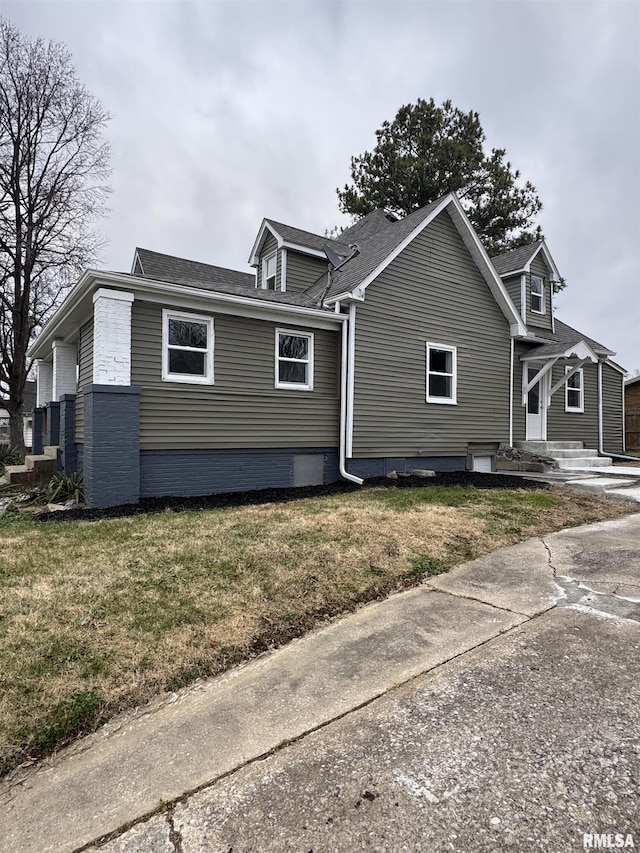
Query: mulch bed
x=262, y=496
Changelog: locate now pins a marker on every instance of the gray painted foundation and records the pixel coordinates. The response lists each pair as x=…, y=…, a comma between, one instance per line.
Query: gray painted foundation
x=380, y=467
x=204, y=472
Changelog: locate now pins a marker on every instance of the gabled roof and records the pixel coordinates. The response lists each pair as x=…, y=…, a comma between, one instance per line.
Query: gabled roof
x=383, y=245
x=289, y=237
x=159, y=267
x=519, y=260
x=564, y=336
x=370, y=224
x=170, y=268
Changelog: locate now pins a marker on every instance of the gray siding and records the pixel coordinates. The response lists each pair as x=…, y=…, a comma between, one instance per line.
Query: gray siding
x=432, y=292
x=242, y=409
x=303, y=271
x=519, y=411
x=270, y=246
x=539, y=321
x=612, y=390
x=514, y=289
x=85, y=374
x=574, y=426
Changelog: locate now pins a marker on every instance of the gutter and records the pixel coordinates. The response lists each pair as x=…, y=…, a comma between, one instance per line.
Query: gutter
x=346, y=393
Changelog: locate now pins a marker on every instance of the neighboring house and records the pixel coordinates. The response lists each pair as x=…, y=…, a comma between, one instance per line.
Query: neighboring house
x=632, y=413
x=27, y=415
x=400, y=345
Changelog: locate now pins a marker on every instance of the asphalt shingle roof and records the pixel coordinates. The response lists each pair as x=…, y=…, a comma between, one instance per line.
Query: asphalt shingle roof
x=374, y=249
x=207, y=277
x=305, y=238
x=563, y=336
x=516, y=259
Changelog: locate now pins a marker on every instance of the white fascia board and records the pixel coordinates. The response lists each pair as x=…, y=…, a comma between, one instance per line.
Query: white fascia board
x=618, y=368
x=476, y=249
x=355, y=293
x=550, y=262
x=136, y=259
x=305, y=250
x=580, y=350
x=255, y=249
x=240, y=306
x=77, y=306
x=483, y=262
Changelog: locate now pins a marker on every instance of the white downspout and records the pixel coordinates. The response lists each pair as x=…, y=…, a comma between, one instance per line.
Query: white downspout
x=511, y=397
x=600, y=441
x=346, y=395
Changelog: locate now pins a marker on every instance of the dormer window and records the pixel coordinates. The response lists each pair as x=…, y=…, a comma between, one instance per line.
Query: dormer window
x=537, y=295
x=269, y=272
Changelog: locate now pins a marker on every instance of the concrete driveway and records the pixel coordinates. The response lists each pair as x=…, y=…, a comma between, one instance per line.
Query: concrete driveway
x=496, y=708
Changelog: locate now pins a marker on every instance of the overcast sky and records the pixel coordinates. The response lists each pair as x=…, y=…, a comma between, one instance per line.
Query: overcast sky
x=226, y=112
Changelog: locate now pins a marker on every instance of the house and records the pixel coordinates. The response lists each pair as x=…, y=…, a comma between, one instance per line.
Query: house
x=632, y=413
x=399, y=345
x=29, y=400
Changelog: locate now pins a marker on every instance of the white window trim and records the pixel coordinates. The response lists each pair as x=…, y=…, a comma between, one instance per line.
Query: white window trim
x=576, y=409
x=265, y=261
x=541, y=294
x=445, y=401
x=295, y=386
x=167, y=376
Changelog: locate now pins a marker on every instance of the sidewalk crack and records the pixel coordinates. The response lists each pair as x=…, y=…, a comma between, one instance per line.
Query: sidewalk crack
x=549, y=558
x=175, y=836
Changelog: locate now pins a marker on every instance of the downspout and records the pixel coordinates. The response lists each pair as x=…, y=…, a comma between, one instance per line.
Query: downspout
x=600, y=442
x=511, y=397
x=346, y=395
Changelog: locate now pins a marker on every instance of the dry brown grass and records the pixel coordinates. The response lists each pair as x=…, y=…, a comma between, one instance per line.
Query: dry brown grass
x=96, y=617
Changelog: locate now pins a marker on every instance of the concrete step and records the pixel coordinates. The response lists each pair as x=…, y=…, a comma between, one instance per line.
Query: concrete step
x=15, y=475
x=573, y=454
x=585, y=462
x=51, y=450
x=42, y=464
x=547, y=448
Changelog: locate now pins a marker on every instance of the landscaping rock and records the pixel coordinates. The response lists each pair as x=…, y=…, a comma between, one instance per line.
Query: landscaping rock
x=421, y=472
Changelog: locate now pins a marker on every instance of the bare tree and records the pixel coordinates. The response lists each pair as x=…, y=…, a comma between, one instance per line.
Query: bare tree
x=53, y=164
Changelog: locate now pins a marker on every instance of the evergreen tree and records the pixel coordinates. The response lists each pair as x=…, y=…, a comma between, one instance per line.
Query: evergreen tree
x=428, y=151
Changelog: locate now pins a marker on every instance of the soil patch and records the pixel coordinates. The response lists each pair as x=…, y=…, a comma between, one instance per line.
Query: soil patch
x=223, y=500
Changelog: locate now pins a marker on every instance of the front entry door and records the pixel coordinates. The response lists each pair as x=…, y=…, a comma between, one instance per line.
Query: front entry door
x=536, y=420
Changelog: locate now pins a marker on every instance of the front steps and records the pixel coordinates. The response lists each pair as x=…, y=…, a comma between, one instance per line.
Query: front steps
x=566, y=454
x=36, y=469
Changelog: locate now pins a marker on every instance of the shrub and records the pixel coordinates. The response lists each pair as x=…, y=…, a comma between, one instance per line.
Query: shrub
x=10, y=455
x=62, y=487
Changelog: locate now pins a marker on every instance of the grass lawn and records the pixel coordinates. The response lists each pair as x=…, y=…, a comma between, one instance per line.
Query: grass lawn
x=96, y=617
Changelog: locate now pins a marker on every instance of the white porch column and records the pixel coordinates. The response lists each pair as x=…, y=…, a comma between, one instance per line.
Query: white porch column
x=112, y=337
x=44, y=383
x=65, y=360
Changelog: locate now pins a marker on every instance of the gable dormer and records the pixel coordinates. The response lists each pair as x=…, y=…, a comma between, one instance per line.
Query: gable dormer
x=529, y=274
x=288, y=259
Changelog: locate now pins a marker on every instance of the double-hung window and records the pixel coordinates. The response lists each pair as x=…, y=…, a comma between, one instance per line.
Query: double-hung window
x=187, y=348
x=441, y=374
x=574, y=400
x=537, y=294
x=269, y=272
x=294, y=360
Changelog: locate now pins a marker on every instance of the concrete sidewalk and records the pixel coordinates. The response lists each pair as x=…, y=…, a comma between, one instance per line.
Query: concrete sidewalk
x=188, y=742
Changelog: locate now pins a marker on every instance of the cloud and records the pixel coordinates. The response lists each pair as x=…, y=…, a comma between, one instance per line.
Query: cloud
x=227, y=112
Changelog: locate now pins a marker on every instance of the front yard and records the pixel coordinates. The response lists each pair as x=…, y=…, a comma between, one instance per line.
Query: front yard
x=96, y=617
